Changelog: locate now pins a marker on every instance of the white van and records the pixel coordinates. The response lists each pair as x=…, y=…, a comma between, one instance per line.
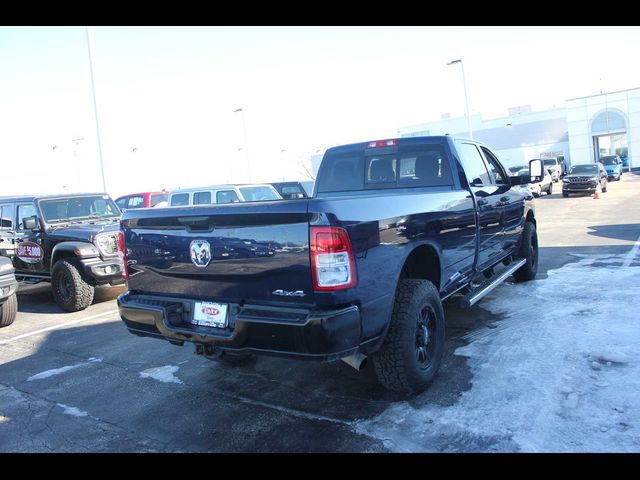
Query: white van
x=222, y=194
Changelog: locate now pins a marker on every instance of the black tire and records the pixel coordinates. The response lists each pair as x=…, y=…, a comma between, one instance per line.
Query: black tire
x=8, y=310
x=550, y=190
x=70, y=291
x=604, y=189
x=529, y=251
x=412, y=350
x=565, y=195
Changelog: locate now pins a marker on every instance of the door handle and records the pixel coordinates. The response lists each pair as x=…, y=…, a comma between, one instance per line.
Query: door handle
x=504, y=199
x=482, y=202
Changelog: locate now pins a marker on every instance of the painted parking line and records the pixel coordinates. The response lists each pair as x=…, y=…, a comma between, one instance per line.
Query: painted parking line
x=632, y=254
x=55, y=327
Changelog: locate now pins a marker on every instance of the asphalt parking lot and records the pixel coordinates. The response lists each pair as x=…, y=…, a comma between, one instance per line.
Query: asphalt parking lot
x=79, y=382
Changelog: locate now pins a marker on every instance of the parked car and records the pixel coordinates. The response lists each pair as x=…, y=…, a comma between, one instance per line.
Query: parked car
x=291, y=190
x=625, y=162
x=394, y=228
x=69, y=240
x=222, y=194
x=613, y=166
x=536, y=189
x=142, y=200
x=8, y=297
x=554, y=166
x=585, y=178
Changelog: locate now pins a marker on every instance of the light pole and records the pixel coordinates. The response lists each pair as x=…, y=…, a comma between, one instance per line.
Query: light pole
x=466, y=98
x=95, y=108
x=246, y=145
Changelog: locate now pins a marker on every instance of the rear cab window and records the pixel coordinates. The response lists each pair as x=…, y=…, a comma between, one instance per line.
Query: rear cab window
x=386, y=167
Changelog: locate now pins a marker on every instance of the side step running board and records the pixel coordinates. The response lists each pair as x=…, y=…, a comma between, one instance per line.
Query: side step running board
x=485, y=287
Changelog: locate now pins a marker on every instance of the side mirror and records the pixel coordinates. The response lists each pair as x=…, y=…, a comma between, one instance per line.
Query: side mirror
x=536, y=169
x=30, y=223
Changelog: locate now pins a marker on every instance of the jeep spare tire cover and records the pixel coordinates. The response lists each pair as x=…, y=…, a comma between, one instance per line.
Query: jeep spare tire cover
x=29, y=252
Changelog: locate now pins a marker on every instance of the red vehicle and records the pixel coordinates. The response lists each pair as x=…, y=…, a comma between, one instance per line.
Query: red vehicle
x=142, y=200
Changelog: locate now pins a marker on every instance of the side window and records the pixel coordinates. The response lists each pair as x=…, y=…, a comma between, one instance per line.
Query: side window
x=227, y=196
x=180, y=200
x=25, y=210
x=136, y=202
x=473, y=164
x=6, y=216
x=157, y=198
x=201, y=198
x=122, y=203
x=495, y=166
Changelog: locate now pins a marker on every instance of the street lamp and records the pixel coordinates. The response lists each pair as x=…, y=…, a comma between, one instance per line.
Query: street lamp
x=466, y=99
x=246, y=145
x=95, y=108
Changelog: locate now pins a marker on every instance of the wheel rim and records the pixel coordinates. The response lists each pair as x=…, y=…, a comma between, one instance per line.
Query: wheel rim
x=425, y=334
x=64, y=287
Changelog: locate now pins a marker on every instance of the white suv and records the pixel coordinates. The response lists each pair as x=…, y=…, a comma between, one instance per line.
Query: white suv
x=222, y=194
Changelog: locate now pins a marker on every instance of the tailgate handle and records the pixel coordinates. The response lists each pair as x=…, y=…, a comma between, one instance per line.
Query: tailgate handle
x=197, y=224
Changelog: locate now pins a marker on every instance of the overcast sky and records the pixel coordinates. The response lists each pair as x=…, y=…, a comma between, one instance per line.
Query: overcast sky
x=166, y=95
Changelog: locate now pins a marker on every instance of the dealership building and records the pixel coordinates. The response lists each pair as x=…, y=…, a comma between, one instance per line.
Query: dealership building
x=581, y=131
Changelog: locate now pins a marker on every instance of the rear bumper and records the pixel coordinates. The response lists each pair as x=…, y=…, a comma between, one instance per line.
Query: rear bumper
x=8, y=286
x=321, y=335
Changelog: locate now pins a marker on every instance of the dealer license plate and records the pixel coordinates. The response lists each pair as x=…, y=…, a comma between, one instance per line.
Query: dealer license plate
x=209, y=314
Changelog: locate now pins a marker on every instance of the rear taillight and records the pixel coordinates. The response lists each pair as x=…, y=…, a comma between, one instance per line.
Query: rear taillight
x=332, y=263
x=123, y=255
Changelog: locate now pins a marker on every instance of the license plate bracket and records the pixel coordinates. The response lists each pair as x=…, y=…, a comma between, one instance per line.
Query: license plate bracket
x=210, y=314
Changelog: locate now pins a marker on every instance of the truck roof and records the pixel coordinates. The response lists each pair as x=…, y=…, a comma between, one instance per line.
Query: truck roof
x=406, y=141
x=31, y=198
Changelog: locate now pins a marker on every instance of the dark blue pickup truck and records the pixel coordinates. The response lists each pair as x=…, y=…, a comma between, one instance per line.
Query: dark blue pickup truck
x=359, y=270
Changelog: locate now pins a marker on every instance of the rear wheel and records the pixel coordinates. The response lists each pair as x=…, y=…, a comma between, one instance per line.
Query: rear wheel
x=8, y=311
x=529, y=251
x=70, y=290
x=412, y=350
x=550, y=190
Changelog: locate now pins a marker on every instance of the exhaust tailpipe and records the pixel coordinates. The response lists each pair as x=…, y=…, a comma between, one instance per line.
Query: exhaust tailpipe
x=356, y=360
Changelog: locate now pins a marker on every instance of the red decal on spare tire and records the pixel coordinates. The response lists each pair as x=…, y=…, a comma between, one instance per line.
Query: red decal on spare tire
x=29, y=252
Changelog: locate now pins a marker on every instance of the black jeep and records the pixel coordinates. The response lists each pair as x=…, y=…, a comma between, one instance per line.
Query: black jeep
x=68, y=240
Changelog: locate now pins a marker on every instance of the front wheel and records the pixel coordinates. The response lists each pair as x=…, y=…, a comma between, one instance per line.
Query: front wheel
x=604, y=189
x=528, y=251
x=70, y=291
x=412, y=350
x=8, y=311
x=550, y=191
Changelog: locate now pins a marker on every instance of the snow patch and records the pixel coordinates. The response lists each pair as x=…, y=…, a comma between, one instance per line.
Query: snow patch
x=73, y=411
x=162, y=374
x=557, y=376
x=58, y=371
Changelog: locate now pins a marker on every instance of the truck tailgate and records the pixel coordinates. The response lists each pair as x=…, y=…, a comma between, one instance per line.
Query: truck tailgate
x=247, y=252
